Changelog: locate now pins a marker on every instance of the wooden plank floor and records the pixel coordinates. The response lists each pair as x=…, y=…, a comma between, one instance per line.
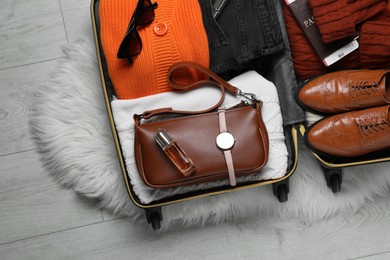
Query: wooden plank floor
x=41, y=220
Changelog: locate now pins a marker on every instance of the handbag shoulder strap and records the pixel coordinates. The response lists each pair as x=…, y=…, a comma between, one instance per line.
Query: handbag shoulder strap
x=182, y=68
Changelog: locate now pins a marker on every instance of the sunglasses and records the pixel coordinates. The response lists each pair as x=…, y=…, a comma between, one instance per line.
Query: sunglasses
x=131, y=44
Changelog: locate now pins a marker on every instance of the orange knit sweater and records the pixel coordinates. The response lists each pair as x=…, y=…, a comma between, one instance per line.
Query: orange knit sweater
x=184, y=40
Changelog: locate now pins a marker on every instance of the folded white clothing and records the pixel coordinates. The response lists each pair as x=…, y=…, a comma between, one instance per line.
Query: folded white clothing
x=199, y=99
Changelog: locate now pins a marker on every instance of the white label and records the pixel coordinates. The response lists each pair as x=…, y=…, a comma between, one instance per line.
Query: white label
x=340, y=53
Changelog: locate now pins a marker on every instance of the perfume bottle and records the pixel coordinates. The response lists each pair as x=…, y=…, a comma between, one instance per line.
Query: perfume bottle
x=173, y=151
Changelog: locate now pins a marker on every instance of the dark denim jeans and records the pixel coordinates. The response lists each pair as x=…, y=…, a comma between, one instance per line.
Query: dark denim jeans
x=250, y=35
x=244, y=31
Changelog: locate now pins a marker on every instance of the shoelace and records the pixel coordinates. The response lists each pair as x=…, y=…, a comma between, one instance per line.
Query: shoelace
x=370, y=126
x=364, y=88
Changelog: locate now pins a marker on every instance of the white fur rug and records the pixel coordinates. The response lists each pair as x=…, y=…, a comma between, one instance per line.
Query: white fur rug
x=71, y=129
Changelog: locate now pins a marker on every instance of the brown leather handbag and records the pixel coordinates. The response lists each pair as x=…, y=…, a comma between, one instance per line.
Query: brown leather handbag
x=176, y=148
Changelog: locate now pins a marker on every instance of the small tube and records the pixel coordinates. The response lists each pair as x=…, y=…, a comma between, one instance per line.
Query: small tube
x=173, y=151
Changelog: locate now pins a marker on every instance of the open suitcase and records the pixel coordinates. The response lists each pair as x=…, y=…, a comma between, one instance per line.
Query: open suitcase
x=292, y=115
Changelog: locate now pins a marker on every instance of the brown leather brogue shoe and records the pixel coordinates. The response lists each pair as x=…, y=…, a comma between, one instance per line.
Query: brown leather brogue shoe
x=351, y=134
x=346, y=90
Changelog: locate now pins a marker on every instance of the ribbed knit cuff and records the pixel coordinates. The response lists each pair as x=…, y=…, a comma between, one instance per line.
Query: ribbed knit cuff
x=333, y=18
x=374, y=48
x=363, y=10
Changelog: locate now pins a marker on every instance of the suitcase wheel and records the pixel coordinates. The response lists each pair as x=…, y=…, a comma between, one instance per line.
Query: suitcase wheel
x=335, y=183
x=154, y=217
x=281, y=190
x=282, y=193
x=333, y=178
